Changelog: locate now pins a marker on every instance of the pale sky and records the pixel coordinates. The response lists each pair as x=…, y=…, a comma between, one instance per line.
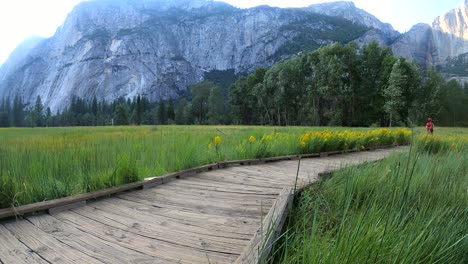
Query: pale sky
x=20, y=19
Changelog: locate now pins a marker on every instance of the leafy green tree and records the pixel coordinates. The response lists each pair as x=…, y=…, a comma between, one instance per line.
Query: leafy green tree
x=454, y=102
x=179, y=117
x=393, y=94
x=375, y=74
x=428, y=102
x=200, y=94
x=216, y=107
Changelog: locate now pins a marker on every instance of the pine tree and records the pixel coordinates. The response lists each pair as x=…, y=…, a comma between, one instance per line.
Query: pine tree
x=121, y=115
x=161, y=113
x=37, y=114
x=18, y=112
x=171, y=111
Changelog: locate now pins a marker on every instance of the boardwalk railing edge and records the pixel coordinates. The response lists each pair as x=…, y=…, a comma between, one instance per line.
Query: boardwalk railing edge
x=65, y=203
x=259, y=247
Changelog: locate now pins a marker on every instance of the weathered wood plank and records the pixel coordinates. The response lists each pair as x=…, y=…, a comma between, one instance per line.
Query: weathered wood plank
x=158, y=231
x=58, y=209
x=212, y=196
x=227, y=178
x=88, y=244
x=195, y=225
x=194, y=205
x=232, y=224
x=237, y=187
x=46, y=246
x=14, y=251
x=274, y=178
x=220, y=188
x=146, y=245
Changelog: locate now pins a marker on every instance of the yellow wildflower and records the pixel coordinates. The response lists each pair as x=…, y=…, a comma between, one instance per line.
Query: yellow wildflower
x=251, y=139
x=217, y=140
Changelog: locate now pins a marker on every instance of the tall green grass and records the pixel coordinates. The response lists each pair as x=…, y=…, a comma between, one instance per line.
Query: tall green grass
x=409, y=208
x=46, y=163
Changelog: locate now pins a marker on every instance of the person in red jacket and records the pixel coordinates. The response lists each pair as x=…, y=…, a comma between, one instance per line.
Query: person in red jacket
x=430, y=126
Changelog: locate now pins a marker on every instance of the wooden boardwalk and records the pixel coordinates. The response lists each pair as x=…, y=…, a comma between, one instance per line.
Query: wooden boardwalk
x=207, y=218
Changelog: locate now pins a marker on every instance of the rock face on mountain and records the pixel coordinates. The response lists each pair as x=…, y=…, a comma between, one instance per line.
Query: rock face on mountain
x=157, y=48
x=439, y=44
x=349, y=11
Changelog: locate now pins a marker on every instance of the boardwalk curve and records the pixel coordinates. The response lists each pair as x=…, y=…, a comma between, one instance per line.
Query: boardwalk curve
x=212, y=217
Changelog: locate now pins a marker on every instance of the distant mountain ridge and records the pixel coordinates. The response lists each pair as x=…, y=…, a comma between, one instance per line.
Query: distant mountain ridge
x=349, y=11
x=157, y=48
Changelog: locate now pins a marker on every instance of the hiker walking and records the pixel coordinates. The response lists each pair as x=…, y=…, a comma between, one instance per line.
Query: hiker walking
x=430, y=126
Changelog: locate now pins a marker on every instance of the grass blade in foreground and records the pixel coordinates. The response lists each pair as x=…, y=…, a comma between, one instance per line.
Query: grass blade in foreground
x=410, y=208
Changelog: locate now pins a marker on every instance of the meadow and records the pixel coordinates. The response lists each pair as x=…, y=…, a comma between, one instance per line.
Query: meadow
x=38, y=164
x=409, y=208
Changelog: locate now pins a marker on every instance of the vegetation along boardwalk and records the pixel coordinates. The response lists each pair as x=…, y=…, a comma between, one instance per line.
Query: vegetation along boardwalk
x=216, y=216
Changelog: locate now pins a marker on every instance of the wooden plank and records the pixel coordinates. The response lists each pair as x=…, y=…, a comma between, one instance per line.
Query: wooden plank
x=88, y=244
x=276, y=177
x=160, y=232
x=167, y=251
x=214, y=194
x=58, y=209
x=152, y=182
x=199, y=184
x=206, y=205
x=13, y=251
x=196, y=208
x=46, y=246
x=281, y=158
x=197, y=225
x=205, y=220
x=217, y=197
x=225, y=164
x=238, y=187
x=260, y=245
x=231, y=178
x=222, y=200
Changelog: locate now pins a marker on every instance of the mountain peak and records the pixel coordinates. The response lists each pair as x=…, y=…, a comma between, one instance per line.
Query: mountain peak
x=454, y=22
x=349, y=11
x=338, y=4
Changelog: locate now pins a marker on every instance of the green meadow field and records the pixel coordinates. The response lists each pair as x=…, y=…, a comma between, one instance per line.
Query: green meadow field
x=38, y=164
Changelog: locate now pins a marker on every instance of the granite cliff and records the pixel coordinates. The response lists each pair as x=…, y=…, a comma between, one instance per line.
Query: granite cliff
x=438, y=45
x=157, y=48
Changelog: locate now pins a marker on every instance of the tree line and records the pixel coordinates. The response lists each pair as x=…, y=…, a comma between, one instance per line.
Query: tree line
x=345, y=85
x=339, y=85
